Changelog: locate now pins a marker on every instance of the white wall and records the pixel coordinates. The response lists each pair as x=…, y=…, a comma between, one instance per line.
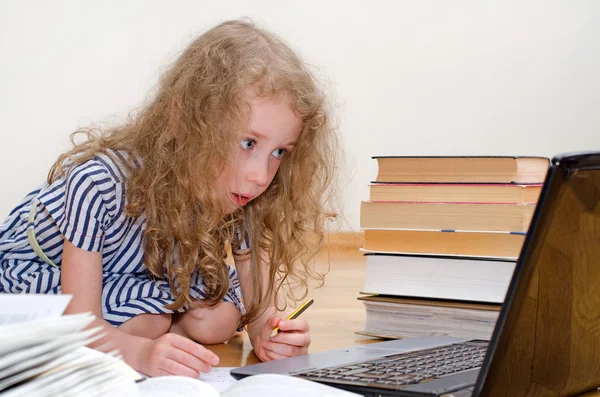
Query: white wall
x=411, y=77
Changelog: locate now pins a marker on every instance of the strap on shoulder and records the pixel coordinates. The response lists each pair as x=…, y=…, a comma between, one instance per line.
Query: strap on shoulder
x=31, y=234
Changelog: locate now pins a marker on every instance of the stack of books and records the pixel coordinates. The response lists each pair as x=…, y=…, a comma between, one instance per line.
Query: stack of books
x=442, y=235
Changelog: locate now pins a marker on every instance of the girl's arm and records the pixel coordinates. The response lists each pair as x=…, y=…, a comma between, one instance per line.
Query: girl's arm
x=81, y=276
x=294, y=336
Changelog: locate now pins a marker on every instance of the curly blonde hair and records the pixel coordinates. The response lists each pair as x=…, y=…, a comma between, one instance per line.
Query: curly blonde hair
x=179, y=138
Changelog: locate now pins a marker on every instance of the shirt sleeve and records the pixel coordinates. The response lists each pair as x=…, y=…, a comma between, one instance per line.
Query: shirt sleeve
x=89, y=205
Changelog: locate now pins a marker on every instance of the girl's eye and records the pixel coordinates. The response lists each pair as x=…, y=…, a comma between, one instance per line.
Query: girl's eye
x=247, y=144
x=279, y=153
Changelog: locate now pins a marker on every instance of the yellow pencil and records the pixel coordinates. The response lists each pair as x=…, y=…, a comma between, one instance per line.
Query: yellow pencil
x=295, y=314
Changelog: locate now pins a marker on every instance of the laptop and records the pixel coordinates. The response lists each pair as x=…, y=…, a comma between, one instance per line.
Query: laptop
x=547, y=338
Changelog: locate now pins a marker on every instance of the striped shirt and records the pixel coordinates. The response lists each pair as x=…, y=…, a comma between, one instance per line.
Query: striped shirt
x=86, y=207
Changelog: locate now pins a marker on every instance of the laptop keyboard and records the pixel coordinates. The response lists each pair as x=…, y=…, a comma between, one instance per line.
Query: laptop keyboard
x=407, y=368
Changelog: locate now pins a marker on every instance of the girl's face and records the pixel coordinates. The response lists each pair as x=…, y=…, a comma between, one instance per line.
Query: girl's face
x=273, y=129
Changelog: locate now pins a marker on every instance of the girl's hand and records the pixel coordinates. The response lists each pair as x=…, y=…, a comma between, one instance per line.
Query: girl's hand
x=173, y=354
x=292, y=340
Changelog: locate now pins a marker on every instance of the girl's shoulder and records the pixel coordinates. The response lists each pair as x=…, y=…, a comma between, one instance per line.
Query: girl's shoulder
x=103, y=175
x=112, y=164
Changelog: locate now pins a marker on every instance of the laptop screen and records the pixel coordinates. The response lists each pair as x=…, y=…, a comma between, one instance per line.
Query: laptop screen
x=547, y=338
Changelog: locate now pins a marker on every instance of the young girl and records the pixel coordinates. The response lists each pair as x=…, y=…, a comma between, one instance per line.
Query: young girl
x=235, y=147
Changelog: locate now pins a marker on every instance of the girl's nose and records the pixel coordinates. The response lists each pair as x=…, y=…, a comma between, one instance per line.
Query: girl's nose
x=258, y=171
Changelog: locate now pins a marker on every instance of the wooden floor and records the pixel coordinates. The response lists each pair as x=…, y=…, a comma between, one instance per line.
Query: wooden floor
x=334, y=317
x=336, y=314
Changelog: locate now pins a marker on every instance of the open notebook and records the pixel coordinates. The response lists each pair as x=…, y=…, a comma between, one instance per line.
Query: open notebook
x=253, y=386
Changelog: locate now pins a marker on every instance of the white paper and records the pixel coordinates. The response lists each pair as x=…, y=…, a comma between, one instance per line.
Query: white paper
x=282, y=385
x=219, y=378
x=82, y=372
x=253, y=386
x=175, y=386
x=16, y=308
x=14, y=337
x=26, y=363
x=88, y=377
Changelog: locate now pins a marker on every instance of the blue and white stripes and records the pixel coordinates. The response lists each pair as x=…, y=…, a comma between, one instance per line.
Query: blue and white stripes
x=86, y=208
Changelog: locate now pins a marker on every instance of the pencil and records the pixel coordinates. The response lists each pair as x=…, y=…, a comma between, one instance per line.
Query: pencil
x=295, y=314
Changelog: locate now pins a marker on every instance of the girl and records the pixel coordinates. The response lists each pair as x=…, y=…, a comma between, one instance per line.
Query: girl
x=235, y=147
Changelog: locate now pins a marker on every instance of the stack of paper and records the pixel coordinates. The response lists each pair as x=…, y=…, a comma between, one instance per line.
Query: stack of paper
x=47, y=357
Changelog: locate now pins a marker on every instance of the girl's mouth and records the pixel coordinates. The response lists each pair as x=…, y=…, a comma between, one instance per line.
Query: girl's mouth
x=239, y=199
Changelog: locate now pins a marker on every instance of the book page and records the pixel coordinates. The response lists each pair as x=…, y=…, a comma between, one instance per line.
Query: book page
x=86, y=376
x=14, y=337
x=176, y=386
x=16, y=308
x=119, y=364
x=26, y=363
x=219, y=378
x=266, y=385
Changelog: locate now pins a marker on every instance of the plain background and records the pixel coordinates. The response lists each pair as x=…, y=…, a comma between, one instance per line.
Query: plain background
x=407, y=77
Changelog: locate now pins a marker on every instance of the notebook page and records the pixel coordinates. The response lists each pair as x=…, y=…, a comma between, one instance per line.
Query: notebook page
x=219, y=378
x=265, y=385
x=175, y=386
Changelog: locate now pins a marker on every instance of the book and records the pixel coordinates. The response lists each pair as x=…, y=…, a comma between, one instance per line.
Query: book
x=252, y=386
x=479, y=244
x=43, y=353
x=446, y=216
x=459, y=192
x=401, y=317
x=438, y=277
x=44, y=357
x=447, y=169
